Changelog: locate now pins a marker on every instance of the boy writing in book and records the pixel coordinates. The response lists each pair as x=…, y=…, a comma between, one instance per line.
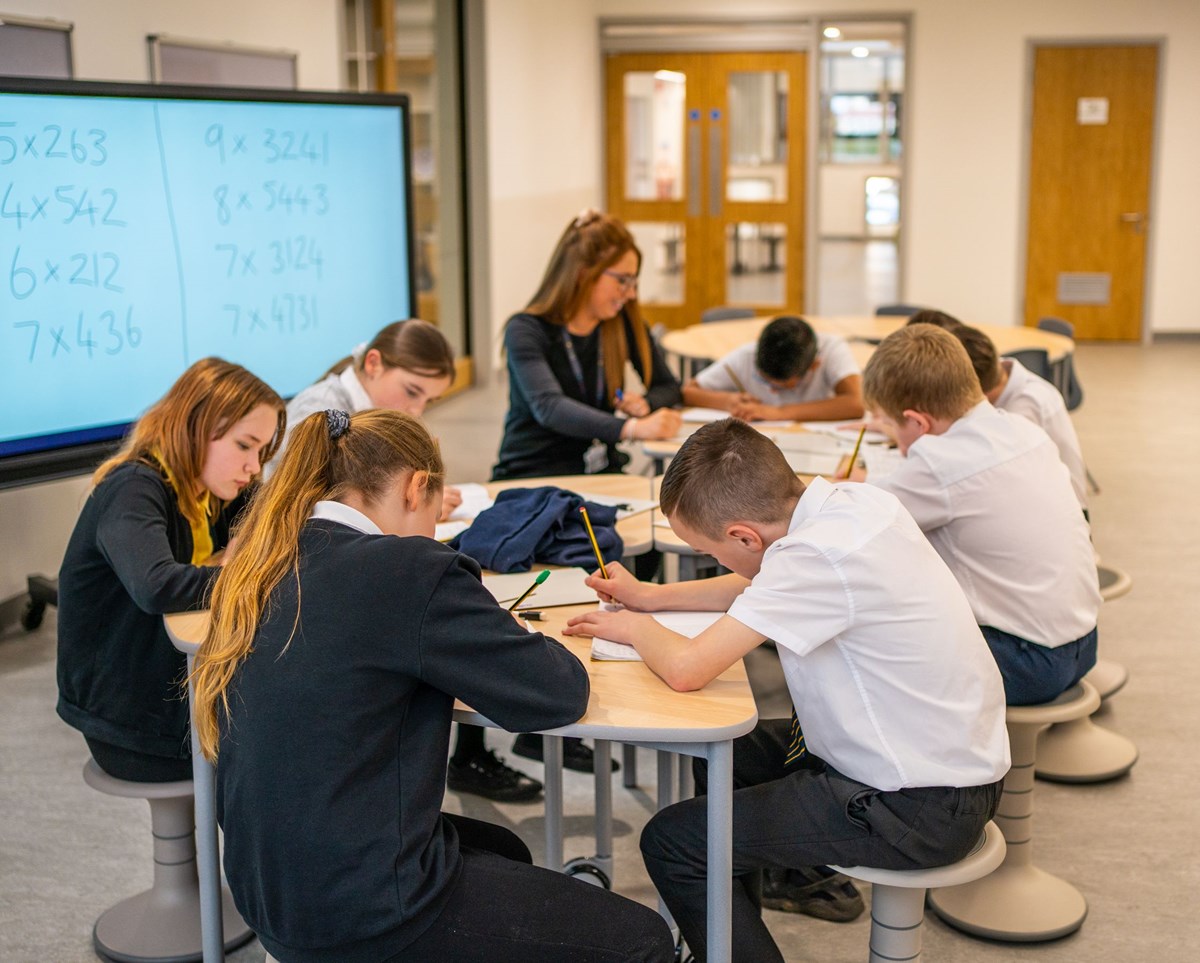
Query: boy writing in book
x=989, y=490
x=897, y=746
x=791, y=373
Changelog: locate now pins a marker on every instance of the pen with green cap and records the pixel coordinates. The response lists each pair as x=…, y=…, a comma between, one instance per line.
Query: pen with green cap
x=542, y=576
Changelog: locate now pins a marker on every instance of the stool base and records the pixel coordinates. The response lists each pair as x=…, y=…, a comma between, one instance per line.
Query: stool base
x=1081, y=752
x=153, y=927
x=1108, y=677
x=1016, y=903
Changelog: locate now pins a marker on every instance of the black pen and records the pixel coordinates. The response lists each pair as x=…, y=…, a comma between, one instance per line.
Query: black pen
x=531, y=616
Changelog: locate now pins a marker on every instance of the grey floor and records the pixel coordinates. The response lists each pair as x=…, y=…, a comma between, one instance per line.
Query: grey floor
x=67, y=852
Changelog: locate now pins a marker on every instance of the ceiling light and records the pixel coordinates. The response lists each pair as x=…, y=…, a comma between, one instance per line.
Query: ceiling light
x=859, y=52
x=832, y=33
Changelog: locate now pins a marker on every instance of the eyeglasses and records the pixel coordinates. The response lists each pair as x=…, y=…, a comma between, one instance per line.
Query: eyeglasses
x=628, y=282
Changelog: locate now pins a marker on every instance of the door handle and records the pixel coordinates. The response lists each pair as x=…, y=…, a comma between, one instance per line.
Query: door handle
x=694, y=174
x=1137, y=219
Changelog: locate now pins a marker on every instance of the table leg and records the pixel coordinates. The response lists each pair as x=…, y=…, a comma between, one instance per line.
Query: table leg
x=208, y=856
x=629, y=766
x=552, y=753
x=604, y=815
x=666, y=796
x=720, y=851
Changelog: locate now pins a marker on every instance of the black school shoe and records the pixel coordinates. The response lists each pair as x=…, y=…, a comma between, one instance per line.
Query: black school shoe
x=816, y=891
x=576, y=755
x=487, y=775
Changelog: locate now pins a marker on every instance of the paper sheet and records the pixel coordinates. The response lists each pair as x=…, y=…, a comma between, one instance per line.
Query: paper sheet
x=689, y=624
x=444, y=531
x=564, y=587
x=626, y=507
x=475, y=499
x=847, y=431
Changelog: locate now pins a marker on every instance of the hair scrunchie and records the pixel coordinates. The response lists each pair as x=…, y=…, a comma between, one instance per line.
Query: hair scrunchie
x=338, y=423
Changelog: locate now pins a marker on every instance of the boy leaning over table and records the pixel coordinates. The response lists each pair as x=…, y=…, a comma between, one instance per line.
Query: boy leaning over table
x=896, y=750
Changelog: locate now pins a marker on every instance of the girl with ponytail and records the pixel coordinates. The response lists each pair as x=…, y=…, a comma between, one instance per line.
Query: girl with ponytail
x=341, y=634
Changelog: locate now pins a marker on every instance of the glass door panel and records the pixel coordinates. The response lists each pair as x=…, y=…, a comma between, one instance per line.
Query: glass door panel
x=654, y=111
x=757, y=161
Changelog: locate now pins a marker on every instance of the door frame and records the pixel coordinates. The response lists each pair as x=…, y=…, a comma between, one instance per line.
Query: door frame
x=759, y=33
x=1031, y=47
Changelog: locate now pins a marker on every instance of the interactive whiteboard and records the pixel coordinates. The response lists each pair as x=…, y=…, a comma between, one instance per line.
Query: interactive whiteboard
x=143, y=228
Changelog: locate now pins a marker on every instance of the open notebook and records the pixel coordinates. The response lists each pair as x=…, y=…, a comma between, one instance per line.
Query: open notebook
x=690, y=624
x=565, y=586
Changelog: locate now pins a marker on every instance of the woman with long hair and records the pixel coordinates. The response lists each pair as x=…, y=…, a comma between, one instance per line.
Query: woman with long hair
x=341, y=634
x=567, y=353
x=404, y=367
x=158, y=516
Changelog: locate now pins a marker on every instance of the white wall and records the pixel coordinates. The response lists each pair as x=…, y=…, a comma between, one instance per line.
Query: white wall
x=110, y=44
x=544, y=127
x=966, y=147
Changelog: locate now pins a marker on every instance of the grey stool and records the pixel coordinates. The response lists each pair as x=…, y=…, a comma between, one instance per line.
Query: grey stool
x=1081, y=751
x=161, y=924
x=1020, y=902
x=898, y=896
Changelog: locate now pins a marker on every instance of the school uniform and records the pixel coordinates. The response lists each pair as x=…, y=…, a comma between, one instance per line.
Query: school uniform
x=900, y=704
x=128, y=562
x=836, y=364
x=558, y=400
x=995, y=500
x=332, y=765
x=1035, y=398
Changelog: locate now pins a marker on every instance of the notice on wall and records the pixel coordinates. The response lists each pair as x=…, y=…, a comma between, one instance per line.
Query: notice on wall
x=1091, y=111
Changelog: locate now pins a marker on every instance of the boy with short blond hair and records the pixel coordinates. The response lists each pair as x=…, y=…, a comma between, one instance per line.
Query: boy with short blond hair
x=897, y=746
x=989, y=490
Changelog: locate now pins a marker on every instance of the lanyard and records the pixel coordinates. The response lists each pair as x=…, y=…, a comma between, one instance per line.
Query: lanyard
x=577, y=368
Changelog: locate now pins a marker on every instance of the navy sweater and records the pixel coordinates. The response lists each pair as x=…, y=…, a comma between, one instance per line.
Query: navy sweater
x=120, y=680
x=550, y=421
x=332, y=765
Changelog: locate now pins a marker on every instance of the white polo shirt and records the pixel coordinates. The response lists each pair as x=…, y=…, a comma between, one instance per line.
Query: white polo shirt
x=342, y=392
x=892, y=681
x=1035, y=398
x=995, y=500
x=832, y=351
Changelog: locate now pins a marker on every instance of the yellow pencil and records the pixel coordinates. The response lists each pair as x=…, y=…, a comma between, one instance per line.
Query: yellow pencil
x=854, y=454
x=737, y=382
x=592, y=535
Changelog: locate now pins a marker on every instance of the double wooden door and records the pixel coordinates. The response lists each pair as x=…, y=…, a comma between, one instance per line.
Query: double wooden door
x=705, y=162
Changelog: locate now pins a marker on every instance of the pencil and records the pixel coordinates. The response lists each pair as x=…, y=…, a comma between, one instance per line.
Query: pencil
x=737, y=382
x=545, y=574
x=595, y=545
x=854, y=454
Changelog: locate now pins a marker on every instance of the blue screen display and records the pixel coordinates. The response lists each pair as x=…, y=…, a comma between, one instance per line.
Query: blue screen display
x=141, y=232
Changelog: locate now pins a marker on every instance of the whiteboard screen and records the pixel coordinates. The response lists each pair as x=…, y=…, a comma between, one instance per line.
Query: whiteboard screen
x=144, y=228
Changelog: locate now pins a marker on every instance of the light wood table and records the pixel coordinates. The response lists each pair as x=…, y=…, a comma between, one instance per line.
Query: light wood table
x=708, y=342
x=628, y=704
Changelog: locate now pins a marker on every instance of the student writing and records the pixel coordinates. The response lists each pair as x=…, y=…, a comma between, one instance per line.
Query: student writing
x=990, y=491
x=159, y=510
x=791, y=373
x=341, y=635
x=899, y=744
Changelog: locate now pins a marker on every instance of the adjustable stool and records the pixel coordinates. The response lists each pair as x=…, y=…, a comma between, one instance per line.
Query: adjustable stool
x=1019, y=902
x=898, y=896
x=162, y=924
x=1082, y=751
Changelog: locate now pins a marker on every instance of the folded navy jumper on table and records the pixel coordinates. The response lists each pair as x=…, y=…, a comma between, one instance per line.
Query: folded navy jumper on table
x=539, y=525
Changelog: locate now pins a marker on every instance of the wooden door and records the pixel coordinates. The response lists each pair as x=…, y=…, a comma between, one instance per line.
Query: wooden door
x=1089, y=187
x=705, y=163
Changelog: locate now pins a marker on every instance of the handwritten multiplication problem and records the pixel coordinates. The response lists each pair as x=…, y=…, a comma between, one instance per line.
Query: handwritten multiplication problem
x=52, y=142
x=286, y=314
x=297, y=253
x=111, y=332
x=272, y=145
x=89, y=269
x=65, y=204
x=272, y=197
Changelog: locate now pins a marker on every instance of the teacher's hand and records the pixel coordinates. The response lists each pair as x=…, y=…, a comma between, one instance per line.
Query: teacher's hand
x=664, y=423
x=634, y=405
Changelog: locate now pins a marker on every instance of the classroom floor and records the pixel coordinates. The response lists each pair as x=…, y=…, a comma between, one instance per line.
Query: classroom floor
x=67, y=852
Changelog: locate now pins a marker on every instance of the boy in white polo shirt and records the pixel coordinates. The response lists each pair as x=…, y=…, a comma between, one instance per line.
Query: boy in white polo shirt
x=989, y=490
x=899, y=746
x=1010, y=386
x=790, y=373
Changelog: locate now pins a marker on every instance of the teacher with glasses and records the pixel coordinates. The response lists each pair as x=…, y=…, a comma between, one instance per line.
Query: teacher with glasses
x=566, y=361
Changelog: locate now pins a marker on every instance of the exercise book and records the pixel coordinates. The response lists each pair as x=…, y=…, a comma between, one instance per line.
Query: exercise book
x=565, y=586
x=689, y=624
